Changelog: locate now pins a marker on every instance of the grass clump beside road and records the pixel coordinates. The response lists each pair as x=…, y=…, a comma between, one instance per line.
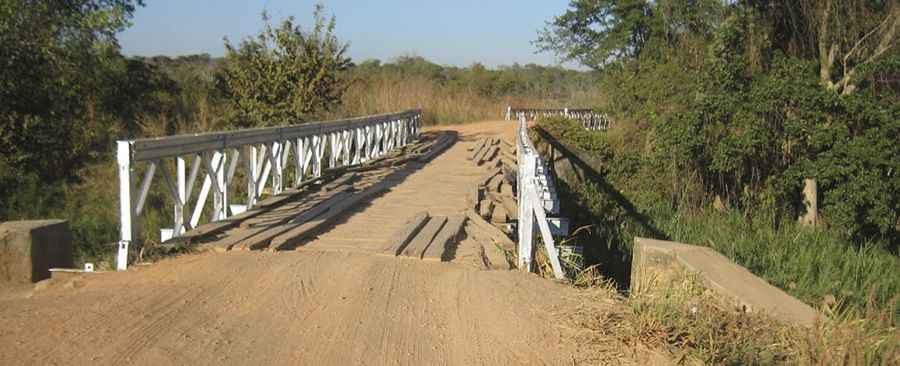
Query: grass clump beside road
x=692, y=326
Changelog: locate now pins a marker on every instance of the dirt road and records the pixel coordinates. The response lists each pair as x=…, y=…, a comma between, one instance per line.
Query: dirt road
x=332, y=302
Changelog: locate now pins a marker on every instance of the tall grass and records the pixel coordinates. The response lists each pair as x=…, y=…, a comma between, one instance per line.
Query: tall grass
x=441, y=104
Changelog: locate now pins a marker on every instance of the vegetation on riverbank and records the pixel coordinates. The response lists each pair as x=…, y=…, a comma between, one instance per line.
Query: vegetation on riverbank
x=731, y=105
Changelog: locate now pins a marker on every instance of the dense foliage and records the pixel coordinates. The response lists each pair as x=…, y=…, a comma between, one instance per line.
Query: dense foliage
x=736, y=101
x=286, y=74
x=619, y=199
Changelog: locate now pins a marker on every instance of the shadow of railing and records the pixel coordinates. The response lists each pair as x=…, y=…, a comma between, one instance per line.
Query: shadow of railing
x=391, y=180
x=614, y=260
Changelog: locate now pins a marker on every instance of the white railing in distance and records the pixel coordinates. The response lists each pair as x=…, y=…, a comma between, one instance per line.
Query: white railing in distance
x=589, y=119
x=537, y=197
x=265, y=155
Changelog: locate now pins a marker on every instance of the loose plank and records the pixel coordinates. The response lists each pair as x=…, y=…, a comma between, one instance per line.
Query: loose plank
x=402, y=237
x=445, y=240
x=417, y=246
x=249, y=238
x=490, y=230
x=300, y=233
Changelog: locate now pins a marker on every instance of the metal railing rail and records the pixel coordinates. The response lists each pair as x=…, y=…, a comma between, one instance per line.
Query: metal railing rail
x=589, y=119
x=265, y=155
x=537, y=198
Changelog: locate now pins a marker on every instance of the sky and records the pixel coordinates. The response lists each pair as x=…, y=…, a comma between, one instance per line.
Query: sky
x=448, y=32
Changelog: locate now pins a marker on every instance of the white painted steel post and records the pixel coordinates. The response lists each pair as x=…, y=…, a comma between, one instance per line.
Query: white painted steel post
x=278, y=169
x=126, y=204
x=299, y=155
x=181, y=184
x=319, y=148
x=250, y=164
x=222, y=194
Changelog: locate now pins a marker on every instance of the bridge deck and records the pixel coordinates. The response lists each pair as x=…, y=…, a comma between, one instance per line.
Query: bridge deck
x=332, y=302
x=442, y=187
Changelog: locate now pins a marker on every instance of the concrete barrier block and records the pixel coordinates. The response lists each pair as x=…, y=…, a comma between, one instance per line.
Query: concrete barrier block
x=656, y=263
x=28, y=249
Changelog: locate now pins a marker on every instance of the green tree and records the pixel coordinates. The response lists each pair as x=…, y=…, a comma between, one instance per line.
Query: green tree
x=286, y=74
x=59, y=61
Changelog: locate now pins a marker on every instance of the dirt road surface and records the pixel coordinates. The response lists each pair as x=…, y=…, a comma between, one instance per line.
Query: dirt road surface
x=332, y=302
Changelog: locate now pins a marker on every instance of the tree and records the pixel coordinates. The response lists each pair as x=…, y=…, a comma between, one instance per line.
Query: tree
x=843, y=35
x=598, y=32
x=57, y=58
x=285, y=75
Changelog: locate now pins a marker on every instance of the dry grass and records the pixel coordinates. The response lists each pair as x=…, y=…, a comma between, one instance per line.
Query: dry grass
x=441, y=104
x=690, y=325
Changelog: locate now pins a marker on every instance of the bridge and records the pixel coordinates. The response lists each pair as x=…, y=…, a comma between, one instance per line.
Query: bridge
x=336, y=166
x=368, y=240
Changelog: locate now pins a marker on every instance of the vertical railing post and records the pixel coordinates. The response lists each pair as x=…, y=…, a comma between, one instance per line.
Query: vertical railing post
x=181, y=186
x=319, y=152
x=222, y=194
x=250, y=160
x=278, y=170
x=127, y=216
x=299, y=155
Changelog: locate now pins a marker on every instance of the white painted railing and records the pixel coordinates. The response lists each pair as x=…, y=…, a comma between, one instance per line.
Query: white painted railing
x=589, y=119
x=537, y=198
x=264, y=154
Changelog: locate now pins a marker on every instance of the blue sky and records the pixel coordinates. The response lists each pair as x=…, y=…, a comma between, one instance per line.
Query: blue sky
x=450, y=32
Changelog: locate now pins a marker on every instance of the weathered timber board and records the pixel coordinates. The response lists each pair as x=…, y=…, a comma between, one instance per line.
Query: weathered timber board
x=290, y=209
x=508, y=203
x=481, y=153
x=444, y=244
x=261, y=207
x=499, y=215
x=446, y=142
x=485, y=207
x=491, y=231
x=477, y=150
x=490, y=156
x=398, y=241
x=262, y=239
x=234, y=239
x=297, y=235
x=417, y=246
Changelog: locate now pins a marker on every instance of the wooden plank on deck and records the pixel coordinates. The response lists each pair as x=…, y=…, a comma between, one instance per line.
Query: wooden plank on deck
x=445, y=242
x=417, y=246
x=401, y=238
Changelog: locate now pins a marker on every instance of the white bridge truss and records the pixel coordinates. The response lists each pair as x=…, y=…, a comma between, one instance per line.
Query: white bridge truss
x=537, y=199
x=589, y=119
x=264, y=154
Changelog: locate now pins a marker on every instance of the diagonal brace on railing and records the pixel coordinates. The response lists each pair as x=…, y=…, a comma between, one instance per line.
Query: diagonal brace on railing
x=265, y=152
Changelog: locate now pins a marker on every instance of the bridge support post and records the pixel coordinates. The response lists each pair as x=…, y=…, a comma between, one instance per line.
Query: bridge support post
x=250, y=153
x=299, y=154
x=318, y=144
x=278, y=167
x=220, y=198
x=181, y=186
x=126, y=204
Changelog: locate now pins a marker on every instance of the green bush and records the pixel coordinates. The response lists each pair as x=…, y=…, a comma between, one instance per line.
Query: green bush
x=627, y=201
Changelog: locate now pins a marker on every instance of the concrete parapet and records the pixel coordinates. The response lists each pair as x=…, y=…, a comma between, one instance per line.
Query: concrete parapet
x=28, y=249
x=655, y=263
